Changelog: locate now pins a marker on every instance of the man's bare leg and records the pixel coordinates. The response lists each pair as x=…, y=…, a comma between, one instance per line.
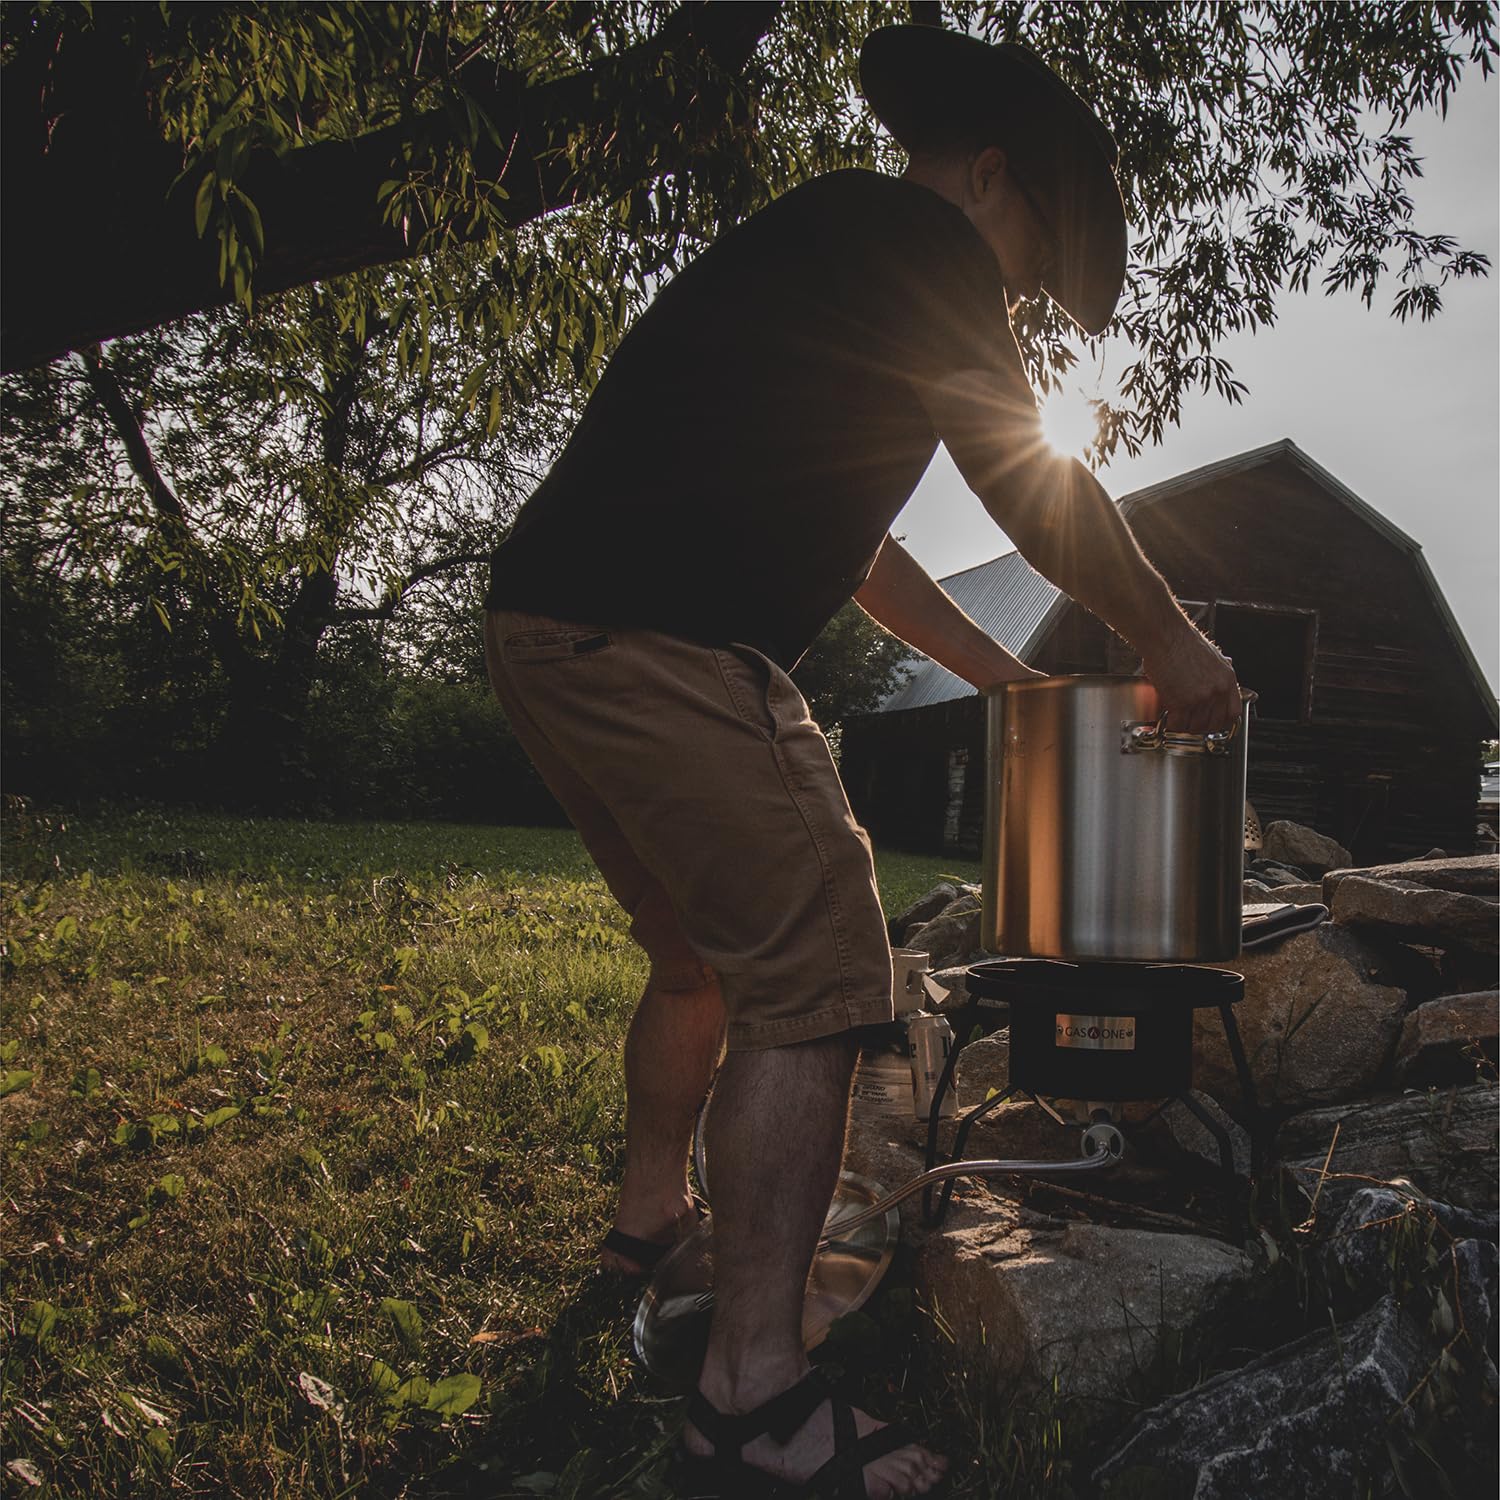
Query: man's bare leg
x=775, y=1142
x=671, y=1051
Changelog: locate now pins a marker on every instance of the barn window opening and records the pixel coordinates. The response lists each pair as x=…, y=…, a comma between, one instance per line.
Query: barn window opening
x=1272, y=654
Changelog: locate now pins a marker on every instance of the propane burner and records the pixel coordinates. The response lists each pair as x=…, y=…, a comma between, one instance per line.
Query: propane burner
x=1099, y=1033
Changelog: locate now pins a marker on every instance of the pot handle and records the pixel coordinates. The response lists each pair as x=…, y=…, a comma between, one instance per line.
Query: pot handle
x=1139, y=737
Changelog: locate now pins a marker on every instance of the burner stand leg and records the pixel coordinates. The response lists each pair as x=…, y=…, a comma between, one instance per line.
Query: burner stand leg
x=1239, y=1219
x=933, y=1217
x=1247, y=1089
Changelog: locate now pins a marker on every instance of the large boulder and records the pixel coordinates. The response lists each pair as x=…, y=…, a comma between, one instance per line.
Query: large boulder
x=1310, y=1419
x=1443, y=1141
x=1294, y=844
x=923, y=909
x=1319, y=1019
x=950, y=937
x=1403, y=909
x=1445, y=1040
x=1365, y=1244
x=1086, y=1306
x=1467, y=874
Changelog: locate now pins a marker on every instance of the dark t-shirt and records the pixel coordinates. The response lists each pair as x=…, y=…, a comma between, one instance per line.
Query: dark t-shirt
x=757, y=431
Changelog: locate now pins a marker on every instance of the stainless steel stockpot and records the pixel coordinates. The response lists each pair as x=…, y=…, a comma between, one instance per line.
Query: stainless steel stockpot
x=1107, y=835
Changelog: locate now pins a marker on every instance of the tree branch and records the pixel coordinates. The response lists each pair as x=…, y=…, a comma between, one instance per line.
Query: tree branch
x=96, y=243
x=107, y=391
x=387, y=606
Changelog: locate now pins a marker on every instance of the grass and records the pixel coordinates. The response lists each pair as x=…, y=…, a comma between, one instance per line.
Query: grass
x=310, y=1131
x=309, y=1134
x=157, y=841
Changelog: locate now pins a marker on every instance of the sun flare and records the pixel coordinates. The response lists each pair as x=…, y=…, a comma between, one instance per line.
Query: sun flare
x=1069, y=421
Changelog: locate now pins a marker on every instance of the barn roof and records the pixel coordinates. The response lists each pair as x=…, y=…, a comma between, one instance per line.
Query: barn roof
x=1019, y=607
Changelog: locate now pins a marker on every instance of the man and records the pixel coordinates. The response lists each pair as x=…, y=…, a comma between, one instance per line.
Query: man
x=730, y=484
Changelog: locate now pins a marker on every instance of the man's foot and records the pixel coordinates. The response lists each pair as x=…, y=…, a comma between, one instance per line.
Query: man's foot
x=801, y=1430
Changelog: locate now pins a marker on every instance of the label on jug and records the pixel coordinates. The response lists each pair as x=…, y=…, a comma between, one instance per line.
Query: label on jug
x=882, y=1085
x=1099, y=1033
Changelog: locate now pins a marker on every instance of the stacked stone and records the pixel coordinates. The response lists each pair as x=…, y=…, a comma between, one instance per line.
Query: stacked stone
x=1372, y=1040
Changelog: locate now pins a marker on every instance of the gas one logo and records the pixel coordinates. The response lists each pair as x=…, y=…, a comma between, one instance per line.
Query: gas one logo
x=1098, y=1033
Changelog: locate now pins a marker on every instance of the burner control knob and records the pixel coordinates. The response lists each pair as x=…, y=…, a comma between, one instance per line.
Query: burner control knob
x=1103, y=1139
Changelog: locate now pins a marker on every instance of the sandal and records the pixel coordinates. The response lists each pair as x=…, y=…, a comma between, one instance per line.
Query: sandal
x=726, y=1473
x=649, y=1254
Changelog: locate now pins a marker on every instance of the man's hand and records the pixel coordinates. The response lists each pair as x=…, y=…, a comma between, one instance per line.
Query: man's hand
x=1071, y=532
x=1195, y=682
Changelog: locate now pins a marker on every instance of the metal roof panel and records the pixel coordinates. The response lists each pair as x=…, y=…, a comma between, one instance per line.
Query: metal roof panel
x=1008, y=599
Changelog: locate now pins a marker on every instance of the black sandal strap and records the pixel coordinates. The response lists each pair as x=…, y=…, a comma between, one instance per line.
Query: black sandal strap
x=779, y=1418
x=647, y=1254
x=843, y=1476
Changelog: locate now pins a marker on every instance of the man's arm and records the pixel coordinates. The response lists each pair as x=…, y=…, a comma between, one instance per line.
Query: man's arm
x=900, y=595
x=1070, y=531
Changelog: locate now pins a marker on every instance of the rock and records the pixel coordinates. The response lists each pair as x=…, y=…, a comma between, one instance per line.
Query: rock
x=923, y=909
x=1462, y=973
x=1294, y=844
x=1083, y=1304
x=1478, y=1295
x=1444, y=1142
x=1445, y=1039
x=1016, y=1130
x=952, y=936
x=984, y=1068
x=1258, y=891
x=1355, y=1254
x=1319, y=1020
x=1469, y=875
x=1191, y=1134
x=1404, y=909
x=1308, y=894
x=1310, y=1419
x=1413, y=969
x=1273, y=873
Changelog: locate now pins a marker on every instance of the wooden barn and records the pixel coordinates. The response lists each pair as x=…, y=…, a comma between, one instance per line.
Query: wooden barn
x=1371, y=706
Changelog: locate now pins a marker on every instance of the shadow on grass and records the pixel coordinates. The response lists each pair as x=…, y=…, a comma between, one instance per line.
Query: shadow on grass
x=575, y=1416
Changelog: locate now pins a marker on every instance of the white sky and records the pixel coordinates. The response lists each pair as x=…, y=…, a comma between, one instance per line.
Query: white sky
x=1406, y=414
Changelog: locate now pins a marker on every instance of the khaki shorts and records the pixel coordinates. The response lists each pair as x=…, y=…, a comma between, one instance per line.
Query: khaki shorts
x=708, y=799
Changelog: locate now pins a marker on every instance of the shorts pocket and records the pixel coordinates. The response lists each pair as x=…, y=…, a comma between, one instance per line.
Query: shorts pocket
x=532, y=647
x=750, y=679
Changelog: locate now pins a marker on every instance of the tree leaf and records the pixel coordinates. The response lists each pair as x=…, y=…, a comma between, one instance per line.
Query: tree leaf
x=203, y=204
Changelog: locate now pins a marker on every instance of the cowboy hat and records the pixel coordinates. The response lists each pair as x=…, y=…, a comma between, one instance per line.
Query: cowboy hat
x=930, y=86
